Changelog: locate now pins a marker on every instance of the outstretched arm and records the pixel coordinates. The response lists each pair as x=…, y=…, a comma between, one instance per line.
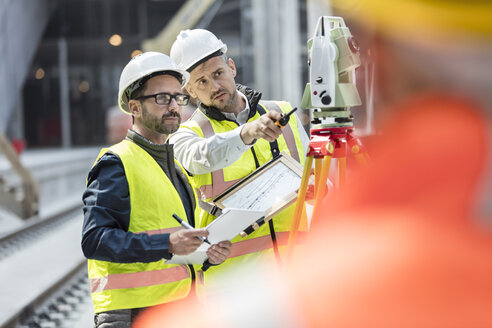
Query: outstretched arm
x=200, y=155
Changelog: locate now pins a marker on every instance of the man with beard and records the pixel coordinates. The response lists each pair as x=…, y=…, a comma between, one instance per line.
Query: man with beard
x=133, y=190
x=230, y=135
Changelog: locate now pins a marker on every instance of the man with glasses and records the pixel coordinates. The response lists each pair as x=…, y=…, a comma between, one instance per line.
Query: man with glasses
x=133, y=191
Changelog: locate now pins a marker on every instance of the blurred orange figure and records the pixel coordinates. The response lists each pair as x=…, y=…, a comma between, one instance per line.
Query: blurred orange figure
x=399, y=247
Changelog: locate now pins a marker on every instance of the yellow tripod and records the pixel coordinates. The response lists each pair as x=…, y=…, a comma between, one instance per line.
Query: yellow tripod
x=325, y=144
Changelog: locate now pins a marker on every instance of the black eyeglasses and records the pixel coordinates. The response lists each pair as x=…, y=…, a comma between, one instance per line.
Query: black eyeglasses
x=166, y=98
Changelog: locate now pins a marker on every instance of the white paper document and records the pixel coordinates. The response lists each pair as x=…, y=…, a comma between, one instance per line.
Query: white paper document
x=268, y=189
x=225, y=227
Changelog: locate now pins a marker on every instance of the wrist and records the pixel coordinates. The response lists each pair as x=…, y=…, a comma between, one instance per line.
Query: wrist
x=170, y=247
x=170, y=253
x=245, y=135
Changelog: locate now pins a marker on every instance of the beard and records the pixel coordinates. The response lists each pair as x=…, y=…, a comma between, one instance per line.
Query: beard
x=159, y=124
x=226, y=105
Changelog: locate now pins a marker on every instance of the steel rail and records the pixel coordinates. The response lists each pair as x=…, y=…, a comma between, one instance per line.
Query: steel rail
x=33, y=228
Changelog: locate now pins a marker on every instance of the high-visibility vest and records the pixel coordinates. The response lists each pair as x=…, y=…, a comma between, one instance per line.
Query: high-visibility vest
x=258, y=245
x=153, y=200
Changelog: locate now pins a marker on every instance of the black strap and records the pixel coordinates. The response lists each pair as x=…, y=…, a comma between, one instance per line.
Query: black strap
x=275, y=154
x=274, y=241
x=274, y=144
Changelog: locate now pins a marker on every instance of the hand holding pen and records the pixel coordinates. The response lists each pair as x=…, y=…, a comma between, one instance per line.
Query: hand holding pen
x=186, y=241
x=186, y=225
x=192, y=238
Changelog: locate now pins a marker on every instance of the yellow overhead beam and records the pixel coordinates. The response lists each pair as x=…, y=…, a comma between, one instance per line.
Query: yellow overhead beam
x=187, y=17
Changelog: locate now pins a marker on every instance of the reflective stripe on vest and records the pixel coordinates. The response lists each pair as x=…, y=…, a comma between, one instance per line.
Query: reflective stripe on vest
x=139, y=279
x=254, y=245
x=218, y=185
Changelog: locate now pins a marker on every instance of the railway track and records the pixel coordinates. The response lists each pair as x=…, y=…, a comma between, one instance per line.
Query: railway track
x=43, y=274
x=33, y=229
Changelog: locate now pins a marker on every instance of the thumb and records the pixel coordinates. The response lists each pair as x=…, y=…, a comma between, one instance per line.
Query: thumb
x=274, y=115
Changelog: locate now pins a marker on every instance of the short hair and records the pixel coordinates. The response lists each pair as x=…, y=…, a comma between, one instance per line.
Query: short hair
x=224, y=57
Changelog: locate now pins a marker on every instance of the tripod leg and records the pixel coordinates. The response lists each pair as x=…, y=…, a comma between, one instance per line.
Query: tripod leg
x=318, y=162
x=299, y=206
x=320, y=190
x=361, y=156
x=342, y=168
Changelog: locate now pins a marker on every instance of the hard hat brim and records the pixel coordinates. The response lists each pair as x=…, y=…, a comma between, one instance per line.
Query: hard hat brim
x=123, y=98
x=216, y=53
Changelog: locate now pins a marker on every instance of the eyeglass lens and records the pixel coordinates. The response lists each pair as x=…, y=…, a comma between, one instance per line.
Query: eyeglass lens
x=166, y=98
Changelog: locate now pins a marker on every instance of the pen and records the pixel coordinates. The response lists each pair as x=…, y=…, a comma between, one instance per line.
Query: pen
x=186, y=225
x=285, y=118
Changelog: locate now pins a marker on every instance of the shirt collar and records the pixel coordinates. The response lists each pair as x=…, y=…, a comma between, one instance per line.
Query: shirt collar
x=242, y=116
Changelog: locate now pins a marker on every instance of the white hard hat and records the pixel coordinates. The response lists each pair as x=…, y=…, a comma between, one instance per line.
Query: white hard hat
x=140, y=69
x=193, y=46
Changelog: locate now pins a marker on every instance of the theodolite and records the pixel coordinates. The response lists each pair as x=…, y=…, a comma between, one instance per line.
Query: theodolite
x=333, y=56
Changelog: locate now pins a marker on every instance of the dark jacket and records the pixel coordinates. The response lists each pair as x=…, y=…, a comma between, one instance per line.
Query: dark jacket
x=252, y=95
x=107, y=209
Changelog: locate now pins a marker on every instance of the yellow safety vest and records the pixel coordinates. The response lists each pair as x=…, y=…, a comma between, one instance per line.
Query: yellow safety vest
x=258, y=245
x=153, y=201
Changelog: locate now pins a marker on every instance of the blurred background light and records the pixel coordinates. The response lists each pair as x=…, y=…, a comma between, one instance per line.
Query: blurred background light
x=84, y=86
x=115, y=40
x=39, y=74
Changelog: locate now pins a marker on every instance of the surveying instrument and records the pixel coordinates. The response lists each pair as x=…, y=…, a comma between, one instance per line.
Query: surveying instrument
x=333, y=56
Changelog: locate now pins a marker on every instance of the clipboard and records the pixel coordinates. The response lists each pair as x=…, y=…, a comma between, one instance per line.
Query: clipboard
x=228, y=225
x=269, y=189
